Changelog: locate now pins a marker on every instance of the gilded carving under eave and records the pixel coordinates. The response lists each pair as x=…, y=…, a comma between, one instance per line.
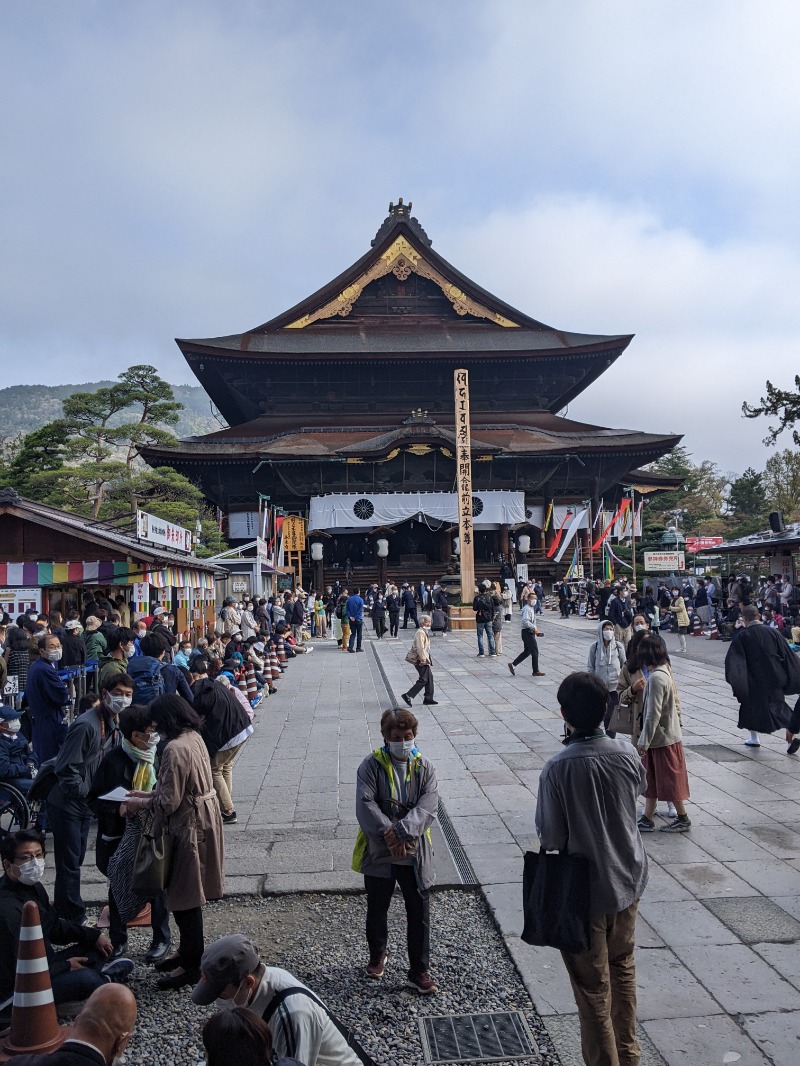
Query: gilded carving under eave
x=401, y=258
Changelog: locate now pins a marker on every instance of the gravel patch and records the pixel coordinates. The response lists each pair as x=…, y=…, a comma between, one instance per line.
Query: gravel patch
x=320, y=939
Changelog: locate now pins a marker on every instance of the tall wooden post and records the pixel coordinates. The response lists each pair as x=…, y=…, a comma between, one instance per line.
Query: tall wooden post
x=464, y=483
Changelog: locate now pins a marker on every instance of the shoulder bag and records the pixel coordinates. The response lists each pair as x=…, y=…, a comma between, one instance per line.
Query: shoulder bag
x=556, y=901
x=348, y=1035
x=622, y=719
x=152, y=865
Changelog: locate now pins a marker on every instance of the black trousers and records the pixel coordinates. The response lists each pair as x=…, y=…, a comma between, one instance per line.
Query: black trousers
x=412, y=612
x=190, y=926
x=424, y=681
x=394, y=623
x=529, y=647
x=418, y=928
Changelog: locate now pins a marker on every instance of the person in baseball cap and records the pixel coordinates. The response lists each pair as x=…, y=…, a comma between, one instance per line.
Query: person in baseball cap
x=233, y=975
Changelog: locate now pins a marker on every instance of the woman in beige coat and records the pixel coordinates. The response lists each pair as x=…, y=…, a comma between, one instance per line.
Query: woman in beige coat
x=185, y=803
x=420, y=655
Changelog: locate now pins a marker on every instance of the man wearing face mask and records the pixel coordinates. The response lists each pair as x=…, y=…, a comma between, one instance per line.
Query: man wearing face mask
x=120, y=649
x=17, y=763
x=89, y=738
x=397, y=802
x=75, y=972
x=47, y=698
x=131, y=766
x=607, y=657
x=302, y=1028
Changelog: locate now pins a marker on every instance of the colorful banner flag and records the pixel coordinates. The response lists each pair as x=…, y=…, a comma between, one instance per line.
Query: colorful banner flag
x=554, y=546
x=549, y=516
x=600, y=513
x=574, y=526
x=608, y=569
x=622, y=508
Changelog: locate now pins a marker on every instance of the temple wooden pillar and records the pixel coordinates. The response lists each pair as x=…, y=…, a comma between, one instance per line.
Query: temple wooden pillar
x=504, y=540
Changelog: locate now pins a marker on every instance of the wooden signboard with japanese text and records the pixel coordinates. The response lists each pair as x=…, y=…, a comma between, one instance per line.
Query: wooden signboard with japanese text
x=464, y=485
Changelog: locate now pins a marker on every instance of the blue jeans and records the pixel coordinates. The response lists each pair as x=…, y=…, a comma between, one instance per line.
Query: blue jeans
x=356, y=630
x=485, y=627
x=70, y=835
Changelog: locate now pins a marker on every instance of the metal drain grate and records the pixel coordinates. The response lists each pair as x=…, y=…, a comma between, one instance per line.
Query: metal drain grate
x=454, y=1038
x=463, y=865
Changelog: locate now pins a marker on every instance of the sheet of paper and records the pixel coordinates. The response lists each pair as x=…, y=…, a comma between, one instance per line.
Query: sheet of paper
x=119, y=795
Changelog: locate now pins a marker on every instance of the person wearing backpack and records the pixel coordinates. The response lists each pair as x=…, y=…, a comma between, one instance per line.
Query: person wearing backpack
x=483, y=606
x=147, y=670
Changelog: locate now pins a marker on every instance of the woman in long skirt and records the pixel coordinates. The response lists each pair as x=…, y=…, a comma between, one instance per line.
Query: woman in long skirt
x=660, y=742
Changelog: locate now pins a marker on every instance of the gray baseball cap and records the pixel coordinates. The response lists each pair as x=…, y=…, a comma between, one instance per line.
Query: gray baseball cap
x=225, y=962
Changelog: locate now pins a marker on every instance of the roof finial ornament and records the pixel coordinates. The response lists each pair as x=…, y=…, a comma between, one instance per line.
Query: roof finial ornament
x=401, y=212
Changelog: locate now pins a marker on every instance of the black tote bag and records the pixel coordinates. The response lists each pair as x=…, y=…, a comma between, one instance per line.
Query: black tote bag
x=556, y=901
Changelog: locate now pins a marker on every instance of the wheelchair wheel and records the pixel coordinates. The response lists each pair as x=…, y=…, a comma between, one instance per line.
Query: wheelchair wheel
x=14, y=811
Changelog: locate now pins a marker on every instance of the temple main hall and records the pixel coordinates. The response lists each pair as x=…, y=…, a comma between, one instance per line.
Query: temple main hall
x=341, y=410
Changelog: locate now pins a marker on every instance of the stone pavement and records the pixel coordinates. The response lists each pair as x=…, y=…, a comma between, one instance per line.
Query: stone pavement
x=718, y=965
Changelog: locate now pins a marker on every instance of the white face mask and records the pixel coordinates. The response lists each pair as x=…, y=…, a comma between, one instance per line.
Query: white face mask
x=154, y=740
x=130, y=651
x=639, y=628
x=13, y=725
x=400, y=749
x=608, y=634
x=31, y=872
x=117, y=704
x=54, y=656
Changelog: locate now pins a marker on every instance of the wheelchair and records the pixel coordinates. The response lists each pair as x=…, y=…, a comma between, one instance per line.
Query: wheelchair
x=15, y=812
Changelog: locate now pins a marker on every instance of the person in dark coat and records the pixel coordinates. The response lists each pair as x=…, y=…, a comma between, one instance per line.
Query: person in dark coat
x=761, y=669
x=99, y=1034
x=409, y=607
x=74, y=650
x=47, y=698
x=17, y=762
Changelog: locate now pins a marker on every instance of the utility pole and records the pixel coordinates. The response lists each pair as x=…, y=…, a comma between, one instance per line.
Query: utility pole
x=464, y=485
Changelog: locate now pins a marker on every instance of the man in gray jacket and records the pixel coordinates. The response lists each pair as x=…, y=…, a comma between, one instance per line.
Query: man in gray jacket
x=587, y=796
x=397, y=801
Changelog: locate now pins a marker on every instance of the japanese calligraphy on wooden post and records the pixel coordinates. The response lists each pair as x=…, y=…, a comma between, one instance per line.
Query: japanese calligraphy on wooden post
x=464, y=485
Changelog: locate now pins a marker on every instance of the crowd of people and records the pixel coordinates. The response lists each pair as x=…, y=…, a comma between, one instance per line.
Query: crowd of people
x=171, y=716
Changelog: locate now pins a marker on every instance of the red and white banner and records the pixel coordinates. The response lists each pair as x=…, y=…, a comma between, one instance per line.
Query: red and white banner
x=699, y=544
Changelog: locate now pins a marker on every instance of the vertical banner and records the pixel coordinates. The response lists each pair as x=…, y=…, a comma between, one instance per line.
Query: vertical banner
x=464, y=483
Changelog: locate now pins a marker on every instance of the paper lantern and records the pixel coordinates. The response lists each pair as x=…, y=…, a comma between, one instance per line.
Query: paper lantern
x=383, y=547
x=316, y=551
x=524, y=543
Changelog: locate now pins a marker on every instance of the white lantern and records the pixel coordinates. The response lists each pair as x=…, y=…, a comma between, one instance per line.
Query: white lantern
x=316, y=551
x=524, y=543
x=383, y=547
x=456, y=546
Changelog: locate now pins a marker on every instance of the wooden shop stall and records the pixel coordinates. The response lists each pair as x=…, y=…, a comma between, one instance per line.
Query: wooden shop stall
x=50, y=558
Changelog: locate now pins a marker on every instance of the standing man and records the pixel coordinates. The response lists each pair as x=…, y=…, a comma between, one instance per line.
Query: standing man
x=529, y=633
x=47, y=698
x=441, y=603
x=587, y=795
x=619, y=614
x=760, y=669
x=296, y=618
x=483, y=606
x=355, y=614
x=409, y=607
x=397, y=801
x=91, y=736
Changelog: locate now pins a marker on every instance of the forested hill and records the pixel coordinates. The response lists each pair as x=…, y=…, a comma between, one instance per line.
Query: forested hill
x=27, y=407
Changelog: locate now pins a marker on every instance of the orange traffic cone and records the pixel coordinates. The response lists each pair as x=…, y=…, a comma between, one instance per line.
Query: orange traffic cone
x=713, y=632
x=34, y=1025
x=697, y=626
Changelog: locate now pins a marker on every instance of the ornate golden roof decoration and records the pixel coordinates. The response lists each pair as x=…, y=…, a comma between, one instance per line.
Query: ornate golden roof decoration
x=401, y=259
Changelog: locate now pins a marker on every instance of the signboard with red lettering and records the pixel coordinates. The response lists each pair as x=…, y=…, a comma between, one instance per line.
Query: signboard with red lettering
x=158, y=531
x=701, y=544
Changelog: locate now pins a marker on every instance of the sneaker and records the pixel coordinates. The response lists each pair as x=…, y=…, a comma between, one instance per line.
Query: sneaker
x=423, y=982
x=117, y=970
x=479, y=655
x=511, y=669
x=680, y=825
x=310, y=648
x=254, y=702
x=230, y=819
x=377, y=966
x=406, y=698
x=645, y=824
x=537, y=673
x=752, y=743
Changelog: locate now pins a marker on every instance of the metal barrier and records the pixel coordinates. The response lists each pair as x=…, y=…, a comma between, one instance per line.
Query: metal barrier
x=78, y=679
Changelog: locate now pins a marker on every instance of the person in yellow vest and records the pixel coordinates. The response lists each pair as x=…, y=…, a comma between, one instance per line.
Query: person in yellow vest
x=397, y=801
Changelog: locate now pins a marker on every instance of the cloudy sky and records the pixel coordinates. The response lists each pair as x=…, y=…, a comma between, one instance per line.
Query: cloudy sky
x=193, y=168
